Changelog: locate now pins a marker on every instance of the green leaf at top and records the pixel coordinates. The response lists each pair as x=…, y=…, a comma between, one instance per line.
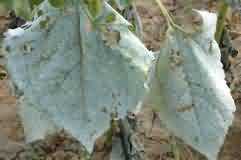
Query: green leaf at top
x=57, y=3
x=94, y=7
x=35, y=2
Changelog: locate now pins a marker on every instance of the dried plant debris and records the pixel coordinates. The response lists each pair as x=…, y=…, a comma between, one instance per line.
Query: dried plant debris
x=58, y=146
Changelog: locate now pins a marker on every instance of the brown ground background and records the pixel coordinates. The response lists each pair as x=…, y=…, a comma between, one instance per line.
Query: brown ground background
x=157, y=147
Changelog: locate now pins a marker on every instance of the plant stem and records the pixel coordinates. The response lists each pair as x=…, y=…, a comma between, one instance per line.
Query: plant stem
x=124, y=139
x=165, y=13
x=222, y=13
x=137, y=18
x=170, y=22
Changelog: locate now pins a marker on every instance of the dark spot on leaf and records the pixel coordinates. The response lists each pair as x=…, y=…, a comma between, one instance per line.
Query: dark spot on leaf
x=132, y=67
x=40, y=13
x=27, y=48
x=178, y=53
x=7, y=48
x=119, y=104
x=104, y=110
x=196, y=139
x=113, y=95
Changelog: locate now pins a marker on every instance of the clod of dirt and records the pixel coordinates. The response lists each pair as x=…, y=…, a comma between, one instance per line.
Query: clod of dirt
x=54, y=147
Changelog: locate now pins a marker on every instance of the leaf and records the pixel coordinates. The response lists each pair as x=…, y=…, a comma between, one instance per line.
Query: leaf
x=94, y=7
x=57, y=3
x=35, y=122
x=35, y=2
x=6, y=4
x=188, y=88
x=22, y=8
x=70, y=77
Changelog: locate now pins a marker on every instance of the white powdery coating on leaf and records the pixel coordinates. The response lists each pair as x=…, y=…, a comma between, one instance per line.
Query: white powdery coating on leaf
x=45, y=64
x=189, y=89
